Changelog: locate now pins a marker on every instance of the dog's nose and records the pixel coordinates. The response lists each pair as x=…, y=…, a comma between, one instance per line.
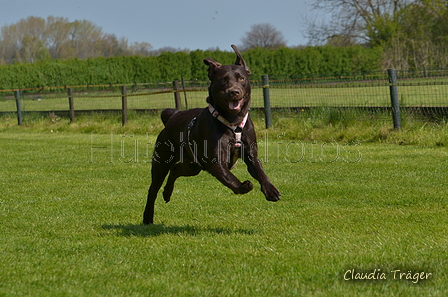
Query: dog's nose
x=234, y=92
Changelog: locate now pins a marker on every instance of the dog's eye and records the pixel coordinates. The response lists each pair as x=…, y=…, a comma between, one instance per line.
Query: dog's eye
x=241, y=79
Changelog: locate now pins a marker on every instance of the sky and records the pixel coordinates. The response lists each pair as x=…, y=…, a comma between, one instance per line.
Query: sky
x=193, y=24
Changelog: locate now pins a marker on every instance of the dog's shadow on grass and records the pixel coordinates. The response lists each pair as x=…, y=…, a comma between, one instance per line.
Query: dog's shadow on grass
x=162, y=229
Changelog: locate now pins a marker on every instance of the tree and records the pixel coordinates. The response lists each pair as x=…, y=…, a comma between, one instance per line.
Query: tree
x=142, y=49
x=22, y=42
x=58, y=38
x=412, y=33
x=425, y=32
x=264, y=36
x=111, y=46
x=362, y=21
x=86, y=39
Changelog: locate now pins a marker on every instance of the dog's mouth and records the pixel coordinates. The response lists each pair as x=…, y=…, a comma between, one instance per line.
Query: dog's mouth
x=235, y=105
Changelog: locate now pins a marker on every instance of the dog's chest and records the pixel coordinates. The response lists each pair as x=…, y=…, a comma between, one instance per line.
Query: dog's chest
x=209, y=141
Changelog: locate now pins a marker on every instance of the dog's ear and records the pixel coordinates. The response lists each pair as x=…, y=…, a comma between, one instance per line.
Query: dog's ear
x=239, y=59
x=212, y=66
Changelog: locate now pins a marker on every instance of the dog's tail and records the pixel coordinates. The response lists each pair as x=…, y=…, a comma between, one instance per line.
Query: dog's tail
x=166, y=114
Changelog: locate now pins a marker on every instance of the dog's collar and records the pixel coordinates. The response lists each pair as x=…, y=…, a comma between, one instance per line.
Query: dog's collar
x=231, y=126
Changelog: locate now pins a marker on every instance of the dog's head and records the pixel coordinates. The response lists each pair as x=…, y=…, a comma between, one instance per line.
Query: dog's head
x=229, y=91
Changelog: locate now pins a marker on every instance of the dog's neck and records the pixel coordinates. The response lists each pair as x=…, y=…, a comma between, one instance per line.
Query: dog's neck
x=231, y=118
x=234, y=126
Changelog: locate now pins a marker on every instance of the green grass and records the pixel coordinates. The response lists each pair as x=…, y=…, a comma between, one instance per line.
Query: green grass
x=71, y=206
x=321, y=124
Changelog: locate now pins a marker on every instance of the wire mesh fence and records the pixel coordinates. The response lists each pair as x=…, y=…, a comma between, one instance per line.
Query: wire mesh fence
x=424, y=92
x=367, y=90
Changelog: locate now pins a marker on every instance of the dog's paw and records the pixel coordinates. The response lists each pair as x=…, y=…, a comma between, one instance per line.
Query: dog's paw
x=166, y=197
x=245, y=187
x=270, y=192
x=167, y=194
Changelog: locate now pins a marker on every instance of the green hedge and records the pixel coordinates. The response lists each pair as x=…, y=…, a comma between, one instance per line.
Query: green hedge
x=171, y=66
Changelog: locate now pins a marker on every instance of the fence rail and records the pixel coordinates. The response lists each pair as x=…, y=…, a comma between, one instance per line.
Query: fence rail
x=423, y=92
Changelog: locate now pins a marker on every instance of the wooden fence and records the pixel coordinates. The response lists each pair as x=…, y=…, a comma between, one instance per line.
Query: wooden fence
x=391, y=91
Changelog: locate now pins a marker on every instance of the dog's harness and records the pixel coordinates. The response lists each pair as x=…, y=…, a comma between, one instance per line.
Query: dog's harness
x=237, y=129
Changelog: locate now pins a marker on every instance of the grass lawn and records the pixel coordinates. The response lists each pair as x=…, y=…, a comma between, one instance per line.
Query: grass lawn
x=71, y=208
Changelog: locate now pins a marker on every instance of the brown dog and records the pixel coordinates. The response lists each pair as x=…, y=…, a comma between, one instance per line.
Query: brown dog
x=210, y=139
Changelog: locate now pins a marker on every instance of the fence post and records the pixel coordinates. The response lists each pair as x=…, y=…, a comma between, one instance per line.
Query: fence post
x=19, y=107
x=177, y=95
x=267, y=101
x=392, y=73
x=71, y=103
x=124, y=106
x=185, y=93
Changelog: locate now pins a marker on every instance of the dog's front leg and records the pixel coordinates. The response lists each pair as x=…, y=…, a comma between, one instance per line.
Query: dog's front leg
x=227, y=178
x=256, y=171
x=269, y=190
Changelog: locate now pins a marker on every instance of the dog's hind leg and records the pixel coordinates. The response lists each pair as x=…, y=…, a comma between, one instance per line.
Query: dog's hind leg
x=178, y=170
x=148, y=215
x=156, y=183
x=159, y=171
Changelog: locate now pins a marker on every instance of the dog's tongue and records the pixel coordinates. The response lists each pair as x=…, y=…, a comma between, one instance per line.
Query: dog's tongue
x=235, y=104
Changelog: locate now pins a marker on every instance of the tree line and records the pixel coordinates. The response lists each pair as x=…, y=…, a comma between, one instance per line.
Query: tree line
x=362, y=35
x=35, y=39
